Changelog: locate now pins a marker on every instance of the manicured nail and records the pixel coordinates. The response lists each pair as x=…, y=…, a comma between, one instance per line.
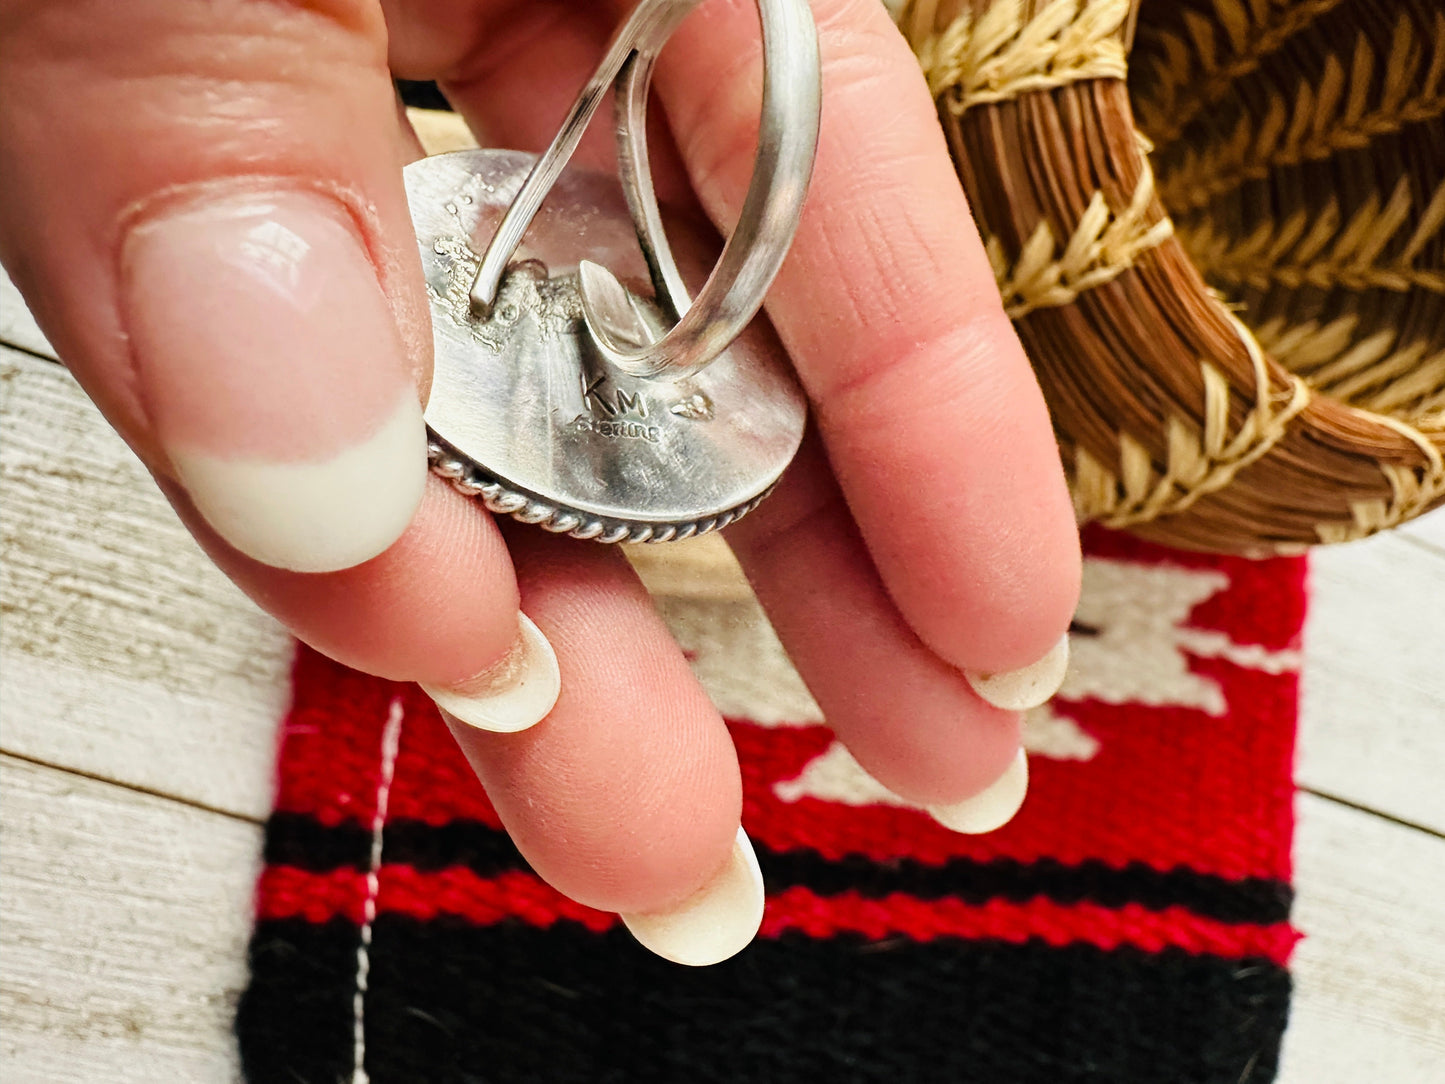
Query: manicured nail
x=1028, y=686
x=717, y=921
x=516, y=693
x=993, y=808
x=269, y=363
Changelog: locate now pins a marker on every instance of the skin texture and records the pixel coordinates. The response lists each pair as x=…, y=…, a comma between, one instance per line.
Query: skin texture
x=925, y=530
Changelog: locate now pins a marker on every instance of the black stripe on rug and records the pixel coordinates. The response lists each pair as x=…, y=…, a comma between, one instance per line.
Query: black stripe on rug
x=453, y=1003
x=298, y=840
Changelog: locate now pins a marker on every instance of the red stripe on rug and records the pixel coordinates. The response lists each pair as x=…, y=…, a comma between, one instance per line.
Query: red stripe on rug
x=1169, y=786
x=287, y=892
x=1038, y=919
x=331, y=740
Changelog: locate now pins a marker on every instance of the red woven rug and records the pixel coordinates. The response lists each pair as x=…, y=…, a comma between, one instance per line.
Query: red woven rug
x=1130, y=925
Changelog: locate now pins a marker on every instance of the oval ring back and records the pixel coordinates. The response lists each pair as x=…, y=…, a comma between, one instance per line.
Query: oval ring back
x=527, y=415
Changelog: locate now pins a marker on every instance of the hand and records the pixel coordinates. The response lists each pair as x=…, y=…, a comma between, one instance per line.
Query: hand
x=203, y=205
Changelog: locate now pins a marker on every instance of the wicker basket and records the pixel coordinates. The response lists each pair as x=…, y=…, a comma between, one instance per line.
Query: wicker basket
x=1248, y=352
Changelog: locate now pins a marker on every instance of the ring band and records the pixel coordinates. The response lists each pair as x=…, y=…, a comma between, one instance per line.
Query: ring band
x=787, y=141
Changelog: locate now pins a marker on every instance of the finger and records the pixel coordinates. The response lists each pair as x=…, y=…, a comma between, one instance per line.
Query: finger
x=409, y=614
x=911, y=720
x=205, y=208
x=923, y=732
x=627, y=797
x=932, y=420
x=516, y=82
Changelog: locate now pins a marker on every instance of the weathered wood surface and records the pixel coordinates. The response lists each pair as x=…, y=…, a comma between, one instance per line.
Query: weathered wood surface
x=124, y=920
x=1370, y=974
x=126, y=654
x=123, y=914
x=1428, y=530
x=1373, y=696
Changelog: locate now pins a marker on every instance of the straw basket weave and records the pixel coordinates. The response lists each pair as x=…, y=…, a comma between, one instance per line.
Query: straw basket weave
x=1219, y=226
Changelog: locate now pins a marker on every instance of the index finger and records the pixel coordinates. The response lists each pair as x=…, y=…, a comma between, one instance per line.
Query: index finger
x=933, y=421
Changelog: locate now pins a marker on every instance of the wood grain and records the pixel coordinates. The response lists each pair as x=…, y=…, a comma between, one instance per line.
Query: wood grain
x=1370, y=974
x=125, y=921
x=127, y=655
x=439, y=131
x=1373, y=697
x=1427, y=531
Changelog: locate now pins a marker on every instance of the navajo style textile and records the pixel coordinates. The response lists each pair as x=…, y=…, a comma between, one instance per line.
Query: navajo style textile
x=1130, y=925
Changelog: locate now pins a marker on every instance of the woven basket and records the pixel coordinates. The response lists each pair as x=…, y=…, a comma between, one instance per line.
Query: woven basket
x=1219, y=226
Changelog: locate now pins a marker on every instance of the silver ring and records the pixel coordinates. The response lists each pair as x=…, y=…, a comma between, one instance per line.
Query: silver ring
x=787, y=139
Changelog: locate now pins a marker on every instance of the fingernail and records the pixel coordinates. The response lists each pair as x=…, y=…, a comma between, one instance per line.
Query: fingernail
x=270, y=365
x=1027, y=687
x=716, y=922
x=513, y=695
x=993, y=808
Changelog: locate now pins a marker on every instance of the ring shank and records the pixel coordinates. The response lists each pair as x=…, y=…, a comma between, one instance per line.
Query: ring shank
x=752, y=255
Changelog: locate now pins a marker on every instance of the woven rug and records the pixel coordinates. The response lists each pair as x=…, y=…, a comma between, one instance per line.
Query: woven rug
x=1130, y=925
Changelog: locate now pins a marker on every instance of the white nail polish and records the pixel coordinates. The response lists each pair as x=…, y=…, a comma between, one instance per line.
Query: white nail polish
x=319, y=516
x=513, y=695
x=993, y=808
x=1027, y=687
x=716, y=922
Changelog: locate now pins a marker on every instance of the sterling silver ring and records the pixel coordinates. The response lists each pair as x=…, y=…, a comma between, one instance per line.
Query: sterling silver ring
x=564, y=394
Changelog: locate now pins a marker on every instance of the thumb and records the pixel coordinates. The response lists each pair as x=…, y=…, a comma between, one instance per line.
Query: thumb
x=203, y=205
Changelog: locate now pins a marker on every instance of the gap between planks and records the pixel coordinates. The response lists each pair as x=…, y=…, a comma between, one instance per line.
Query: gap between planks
x=1335, y=799
x=133, y=788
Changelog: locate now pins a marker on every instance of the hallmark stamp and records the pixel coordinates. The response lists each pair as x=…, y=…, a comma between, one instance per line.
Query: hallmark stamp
x=613, y=403
x=617, y=430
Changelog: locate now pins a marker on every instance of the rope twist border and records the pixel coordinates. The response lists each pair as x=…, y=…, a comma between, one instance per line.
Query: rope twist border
x=502, y=498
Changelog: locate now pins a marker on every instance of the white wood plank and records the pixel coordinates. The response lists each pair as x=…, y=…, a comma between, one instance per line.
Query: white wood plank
x=125, y=921
x=1428, y=529
x=126, y=654
x=1373, y=694
x=702, y=567
x=1370, y=974
x=17, y=326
